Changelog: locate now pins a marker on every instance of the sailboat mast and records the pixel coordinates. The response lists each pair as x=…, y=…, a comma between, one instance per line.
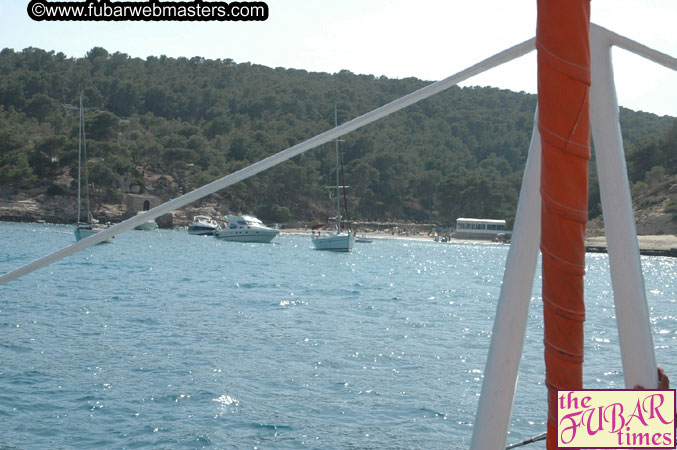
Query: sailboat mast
x=84, y=152
x=338, y=192
x=79, y=156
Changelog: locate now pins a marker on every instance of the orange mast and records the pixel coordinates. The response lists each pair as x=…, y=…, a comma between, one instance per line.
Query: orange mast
x=563, y=44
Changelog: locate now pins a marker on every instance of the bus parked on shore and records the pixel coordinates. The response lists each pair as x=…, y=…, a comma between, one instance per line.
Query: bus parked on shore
x=479, y=228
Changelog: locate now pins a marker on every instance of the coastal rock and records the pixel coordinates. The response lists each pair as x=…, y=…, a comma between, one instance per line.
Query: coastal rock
x=166, y=220
x=656, y=223
x=56, y=209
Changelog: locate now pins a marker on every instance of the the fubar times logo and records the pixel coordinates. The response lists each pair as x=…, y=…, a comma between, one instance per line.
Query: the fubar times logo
x=616, y=419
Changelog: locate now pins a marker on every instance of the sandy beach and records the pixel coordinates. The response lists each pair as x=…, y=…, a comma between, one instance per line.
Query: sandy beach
x=654, y=242
x=656, y=245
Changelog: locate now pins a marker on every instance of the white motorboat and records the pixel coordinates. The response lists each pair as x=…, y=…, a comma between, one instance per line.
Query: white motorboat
x=338, y=240
x=149, y=225
x=246, y=229
x=203, y=225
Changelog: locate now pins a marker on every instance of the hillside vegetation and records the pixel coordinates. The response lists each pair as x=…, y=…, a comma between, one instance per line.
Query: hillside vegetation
x=164, y=126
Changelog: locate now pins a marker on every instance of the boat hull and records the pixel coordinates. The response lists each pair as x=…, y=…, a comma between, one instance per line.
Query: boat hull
x=83, y=232
x=335, y=243
x=147, y=226
x=201, y=231
x=256, y=236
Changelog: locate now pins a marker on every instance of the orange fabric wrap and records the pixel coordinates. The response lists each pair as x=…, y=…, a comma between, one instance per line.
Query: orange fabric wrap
x=562, y=40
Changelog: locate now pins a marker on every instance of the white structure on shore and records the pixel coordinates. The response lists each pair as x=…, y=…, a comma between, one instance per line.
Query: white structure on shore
x=478, y=228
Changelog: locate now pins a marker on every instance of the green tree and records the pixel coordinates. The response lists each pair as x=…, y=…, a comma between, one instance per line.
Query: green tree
x=655, y=176
x=15, y=169
x=274, y=214
x=102, y=127
x=40, y=106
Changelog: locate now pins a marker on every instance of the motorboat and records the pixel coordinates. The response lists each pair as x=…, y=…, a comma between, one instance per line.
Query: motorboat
x=246, y=229
x=149, y=225
x=203, y=225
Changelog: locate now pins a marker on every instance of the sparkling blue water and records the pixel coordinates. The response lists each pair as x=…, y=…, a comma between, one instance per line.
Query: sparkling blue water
x=166, y=340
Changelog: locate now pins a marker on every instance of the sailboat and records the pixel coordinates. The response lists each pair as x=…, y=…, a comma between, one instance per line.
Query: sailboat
x=337, y=240
x=83, y=229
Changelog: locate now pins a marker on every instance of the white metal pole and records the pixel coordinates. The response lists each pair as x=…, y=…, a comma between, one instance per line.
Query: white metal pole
x=635, y=47
x=507, y=339
x=632, y=311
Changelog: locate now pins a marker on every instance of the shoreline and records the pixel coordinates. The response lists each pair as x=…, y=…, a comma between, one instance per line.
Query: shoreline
x=398, y=237
x=650, y=245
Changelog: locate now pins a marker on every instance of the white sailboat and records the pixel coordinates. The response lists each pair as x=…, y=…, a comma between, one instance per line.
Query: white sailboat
x=337, y=240
x=84, y=229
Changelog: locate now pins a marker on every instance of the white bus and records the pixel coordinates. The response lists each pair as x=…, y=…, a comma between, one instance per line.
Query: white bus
x=485, y=228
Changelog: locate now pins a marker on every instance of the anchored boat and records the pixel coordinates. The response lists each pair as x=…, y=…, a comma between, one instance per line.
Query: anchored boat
x=203, y=225
x=84, y=230
x=246, y=229
x=336, y=240
x=340, y=239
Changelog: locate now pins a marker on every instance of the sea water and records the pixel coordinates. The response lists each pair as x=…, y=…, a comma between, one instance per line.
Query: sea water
x=166, y=340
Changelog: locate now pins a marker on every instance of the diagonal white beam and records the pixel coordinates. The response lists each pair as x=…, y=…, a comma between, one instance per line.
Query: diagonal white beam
x=632, y=310
x=490, y=430
x=635, y=47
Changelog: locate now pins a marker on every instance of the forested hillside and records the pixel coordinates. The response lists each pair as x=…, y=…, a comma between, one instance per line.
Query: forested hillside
x=166, y=126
